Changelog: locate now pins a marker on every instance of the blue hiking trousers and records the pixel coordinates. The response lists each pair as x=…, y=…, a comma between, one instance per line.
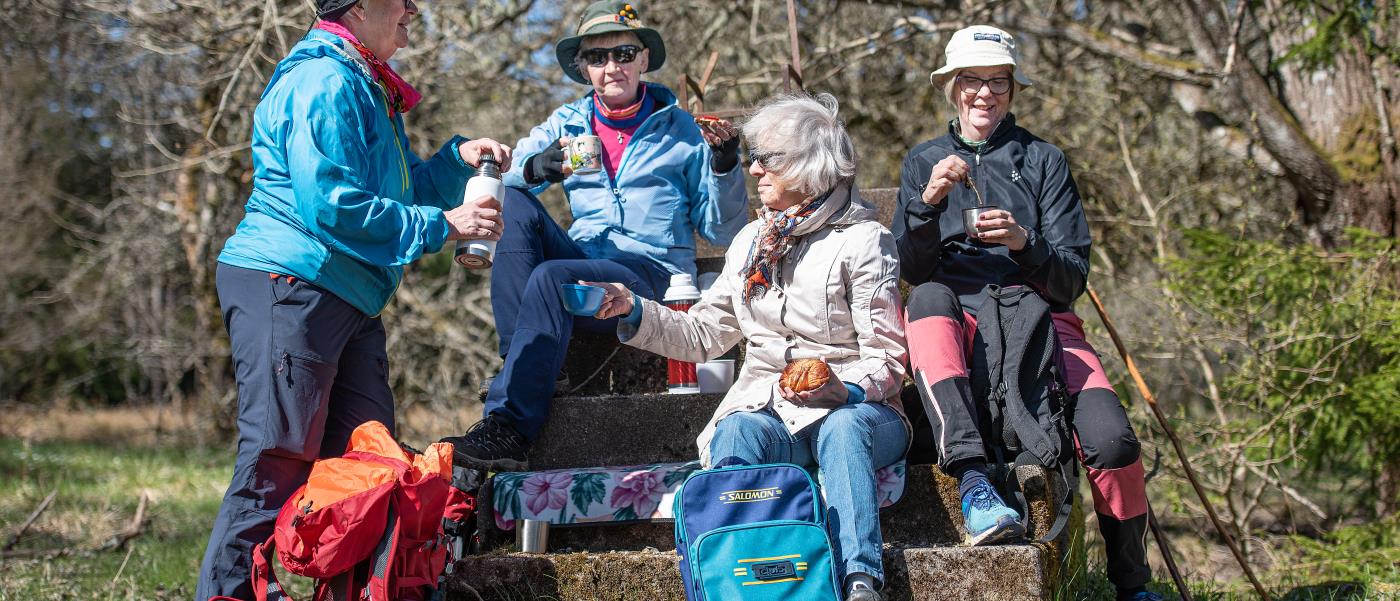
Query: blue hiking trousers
x=534, y=257
x=310, y=369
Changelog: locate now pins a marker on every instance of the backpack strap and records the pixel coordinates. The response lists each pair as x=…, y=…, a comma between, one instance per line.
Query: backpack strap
x=1063, y=508
x=265, y=584
x=1011, y=321
x=1070, y=476
x=377, y=589
x=340, y=587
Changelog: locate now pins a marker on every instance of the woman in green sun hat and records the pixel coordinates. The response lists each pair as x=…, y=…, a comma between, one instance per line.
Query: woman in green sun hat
x=662, y=179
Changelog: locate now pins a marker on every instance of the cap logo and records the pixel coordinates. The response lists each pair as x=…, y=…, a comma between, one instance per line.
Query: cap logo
x=989, y=37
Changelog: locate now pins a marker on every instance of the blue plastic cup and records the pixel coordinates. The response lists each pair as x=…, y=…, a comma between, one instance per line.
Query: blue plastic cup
x=581, y=300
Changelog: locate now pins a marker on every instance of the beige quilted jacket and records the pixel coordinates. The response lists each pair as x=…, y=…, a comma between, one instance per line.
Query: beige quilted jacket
x=836, y=299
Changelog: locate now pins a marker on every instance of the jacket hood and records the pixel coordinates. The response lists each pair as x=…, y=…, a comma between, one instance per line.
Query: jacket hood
x=319, y=44
x=855, y=211
x=843, y=207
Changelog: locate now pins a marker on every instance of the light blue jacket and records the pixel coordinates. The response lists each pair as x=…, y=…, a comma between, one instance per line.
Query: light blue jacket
x=663, y=193
x=338, y=198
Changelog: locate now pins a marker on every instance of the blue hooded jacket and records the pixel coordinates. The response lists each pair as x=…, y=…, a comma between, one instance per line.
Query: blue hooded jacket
x=664, y=189
x=338, y=198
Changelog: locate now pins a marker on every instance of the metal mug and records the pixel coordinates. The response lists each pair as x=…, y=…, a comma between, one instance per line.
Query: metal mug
x=532, y=536
x=584, y=154
x=969, y=219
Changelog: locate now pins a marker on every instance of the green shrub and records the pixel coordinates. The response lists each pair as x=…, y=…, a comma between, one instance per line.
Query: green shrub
x=1310, y=345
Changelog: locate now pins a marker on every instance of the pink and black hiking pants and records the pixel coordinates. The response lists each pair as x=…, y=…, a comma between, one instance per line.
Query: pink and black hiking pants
x=940, y=334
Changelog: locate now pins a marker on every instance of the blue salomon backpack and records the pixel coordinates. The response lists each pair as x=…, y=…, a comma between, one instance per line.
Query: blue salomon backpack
x=753, y=532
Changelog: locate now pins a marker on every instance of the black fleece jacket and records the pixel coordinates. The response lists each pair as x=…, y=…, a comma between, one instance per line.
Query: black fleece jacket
x=1015, y=171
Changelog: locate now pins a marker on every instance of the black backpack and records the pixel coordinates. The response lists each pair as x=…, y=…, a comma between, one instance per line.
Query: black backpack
x=1026, y=407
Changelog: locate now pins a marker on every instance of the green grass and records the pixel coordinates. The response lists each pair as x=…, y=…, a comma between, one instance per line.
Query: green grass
x=99, y=488
x=98, y=491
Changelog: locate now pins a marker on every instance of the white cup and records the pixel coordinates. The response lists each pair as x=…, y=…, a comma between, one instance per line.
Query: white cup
x=715, y=376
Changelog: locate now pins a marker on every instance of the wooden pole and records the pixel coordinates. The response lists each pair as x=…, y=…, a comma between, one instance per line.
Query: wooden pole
x=1176, y=444
x=792, y=37
x=1167, y=555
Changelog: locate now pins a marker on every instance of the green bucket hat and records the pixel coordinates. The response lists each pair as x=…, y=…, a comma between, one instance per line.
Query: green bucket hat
x=607, y=16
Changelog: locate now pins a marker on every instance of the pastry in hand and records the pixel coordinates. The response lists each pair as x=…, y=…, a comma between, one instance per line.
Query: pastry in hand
x=713, y=124
x=804, y=375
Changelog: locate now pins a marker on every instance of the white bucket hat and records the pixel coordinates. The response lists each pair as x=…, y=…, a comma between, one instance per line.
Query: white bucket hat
x=980, y=46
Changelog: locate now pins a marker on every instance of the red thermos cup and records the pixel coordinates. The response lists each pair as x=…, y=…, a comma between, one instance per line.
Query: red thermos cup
x=680, y=296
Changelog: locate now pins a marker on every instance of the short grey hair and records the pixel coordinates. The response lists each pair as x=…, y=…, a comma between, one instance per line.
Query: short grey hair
x=606, y=40
x=811, y=151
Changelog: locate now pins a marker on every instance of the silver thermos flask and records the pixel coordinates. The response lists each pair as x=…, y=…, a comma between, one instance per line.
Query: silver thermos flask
x=477, y=254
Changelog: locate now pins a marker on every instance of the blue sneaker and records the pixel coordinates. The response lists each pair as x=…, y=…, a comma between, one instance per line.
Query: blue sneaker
x=987, y=518
x=1140, y=596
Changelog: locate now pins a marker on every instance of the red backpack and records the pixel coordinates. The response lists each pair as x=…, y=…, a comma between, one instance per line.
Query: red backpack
x=369, y=525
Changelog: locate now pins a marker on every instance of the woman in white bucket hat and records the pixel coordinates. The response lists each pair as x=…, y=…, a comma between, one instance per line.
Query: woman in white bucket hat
x=1030, y=231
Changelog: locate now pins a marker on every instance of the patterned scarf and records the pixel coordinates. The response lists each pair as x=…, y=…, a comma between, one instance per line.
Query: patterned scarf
x=772, y=243
x=402, y=97
x=624, y=118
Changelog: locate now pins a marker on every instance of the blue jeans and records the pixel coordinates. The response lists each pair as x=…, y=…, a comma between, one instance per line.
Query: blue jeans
x=310, y=369
x=534, y=257
x=848, y=445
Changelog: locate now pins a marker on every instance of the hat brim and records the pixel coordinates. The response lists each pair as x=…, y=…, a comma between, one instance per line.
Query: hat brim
x=940, y=77
x=567, y=48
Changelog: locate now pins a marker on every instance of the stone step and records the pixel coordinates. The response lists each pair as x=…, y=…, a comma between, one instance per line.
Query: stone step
x=633, y=429
x=999, y=573
x=597, y=364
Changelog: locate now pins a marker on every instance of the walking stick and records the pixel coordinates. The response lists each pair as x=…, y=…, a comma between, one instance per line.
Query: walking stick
x=1176, y=444
x=1167, y=555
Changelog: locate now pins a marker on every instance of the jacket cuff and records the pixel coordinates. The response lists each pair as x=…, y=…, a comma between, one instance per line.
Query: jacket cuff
x=453, y=148
x=628, y=329
x=1036, y=252
x=634, y=318
x=437, y=230
x=857, y=394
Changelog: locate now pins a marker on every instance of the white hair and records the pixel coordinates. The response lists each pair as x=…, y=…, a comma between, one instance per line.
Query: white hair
x=810, y=148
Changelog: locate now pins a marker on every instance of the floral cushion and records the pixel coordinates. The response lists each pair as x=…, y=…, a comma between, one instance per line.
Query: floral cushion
x=617, y=494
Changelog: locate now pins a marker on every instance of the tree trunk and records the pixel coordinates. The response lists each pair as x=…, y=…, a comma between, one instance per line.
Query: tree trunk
x=1329, y=129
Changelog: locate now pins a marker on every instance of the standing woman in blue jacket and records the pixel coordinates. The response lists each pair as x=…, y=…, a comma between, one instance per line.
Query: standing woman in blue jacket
x=1038, y=237
x=339, y=205
x=634, y=221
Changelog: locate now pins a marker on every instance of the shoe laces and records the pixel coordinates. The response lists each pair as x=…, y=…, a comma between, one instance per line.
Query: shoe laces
x=493, y=436
x=983, y=497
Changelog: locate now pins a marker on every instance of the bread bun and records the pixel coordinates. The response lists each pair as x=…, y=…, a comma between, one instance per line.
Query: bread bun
x=803, y=375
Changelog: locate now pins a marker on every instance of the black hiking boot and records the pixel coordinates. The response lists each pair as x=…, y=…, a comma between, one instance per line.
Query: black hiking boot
x=490, y=445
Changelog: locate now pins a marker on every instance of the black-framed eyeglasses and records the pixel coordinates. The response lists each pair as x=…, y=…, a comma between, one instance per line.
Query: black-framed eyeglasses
x=972, y=85
x=597, y=57
x=764, y=159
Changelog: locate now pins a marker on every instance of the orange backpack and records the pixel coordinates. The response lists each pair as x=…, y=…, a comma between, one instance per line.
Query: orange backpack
x=368, y=525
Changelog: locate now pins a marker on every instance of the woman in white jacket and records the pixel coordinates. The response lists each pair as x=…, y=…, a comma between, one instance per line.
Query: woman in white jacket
x=815, y=277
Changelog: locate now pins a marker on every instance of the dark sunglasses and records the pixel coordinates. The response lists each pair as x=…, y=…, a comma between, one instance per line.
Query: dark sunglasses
x=597, y=57
x=973, y=85
x=764, y=159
